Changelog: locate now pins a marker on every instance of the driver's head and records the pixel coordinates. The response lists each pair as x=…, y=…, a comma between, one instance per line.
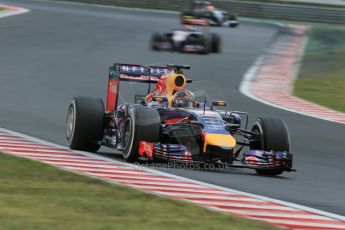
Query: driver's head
x=183, y=98
x=210, y=6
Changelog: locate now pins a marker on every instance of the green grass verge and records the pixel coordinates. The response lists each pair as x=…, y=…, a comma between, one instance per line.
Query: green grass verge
x=38, y=196
x=322, y=75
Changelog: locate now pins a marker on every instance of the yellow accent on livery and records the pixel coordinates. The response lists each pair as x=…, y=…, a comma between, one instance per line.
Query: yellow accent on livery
x=221, y=140
x=174, y=82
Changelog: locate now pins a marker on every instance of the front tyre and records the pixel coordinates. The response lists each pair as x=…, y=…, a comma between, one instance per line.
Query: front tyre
x=273, y=136
x=142, y=124
x=233, y=25
x=156, y=38
x=85, y=123
x=233, y=18
x=206, y=43
x=216, y=43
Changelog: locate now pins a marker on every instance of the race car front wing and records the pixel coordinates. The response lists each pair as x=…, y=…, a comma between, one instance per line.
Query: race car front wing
x=253, y=159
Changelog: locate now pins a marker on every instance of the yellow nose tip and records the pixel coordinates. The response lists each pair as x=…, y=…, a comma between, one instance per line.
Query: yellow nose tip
x=221, y=140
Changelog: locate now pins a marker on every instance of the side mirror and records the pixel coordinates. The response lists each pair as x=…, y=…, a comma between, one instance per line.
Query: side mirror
x=159, y=99
x=218, y=103
x=232, y=127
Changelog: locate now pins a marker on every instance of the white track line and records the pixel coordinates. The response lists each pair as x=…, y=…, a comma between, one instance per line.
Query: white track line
x=270, y=79
x=282, y=215
x=11, y=11
x=304, y=223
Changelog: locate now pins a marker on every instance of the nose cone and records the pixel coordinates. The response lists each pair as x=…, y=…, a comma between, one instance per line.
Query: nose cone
x=220, y=140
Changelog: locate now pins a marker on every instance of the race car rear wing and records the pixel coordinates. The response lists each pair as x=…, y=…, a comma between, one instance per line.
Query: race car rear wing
x=138, y=70
x=136, y=73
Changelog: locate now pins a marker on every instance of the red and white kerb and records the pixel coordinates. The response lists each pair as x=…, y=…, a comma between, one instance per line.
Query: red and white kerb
x=229, y=201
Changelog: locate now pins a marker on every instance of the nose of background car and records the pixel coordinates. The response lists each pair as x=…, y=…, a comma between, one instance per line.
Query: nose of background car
x=220, y=140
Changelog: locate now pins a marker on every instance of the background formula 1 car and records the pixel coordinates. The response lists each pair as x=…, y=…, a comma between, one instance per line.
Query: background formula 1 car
x=187, y=40
x=204, y=10
x=170, y=125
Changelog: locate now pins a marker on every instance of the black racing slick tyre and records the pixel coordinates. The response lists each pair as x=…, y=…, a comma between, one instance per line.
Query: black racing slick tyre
x=233, y=17
x=206, y=42
x=273, y=136
x=233, y=25
x=216, y=43
x=142, y=124
x=85, y=123
x=156, y=38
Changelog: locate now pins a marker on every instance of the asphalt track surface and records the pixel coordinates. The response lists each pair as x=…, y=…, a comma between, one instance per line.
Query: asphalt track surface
x=58, y=51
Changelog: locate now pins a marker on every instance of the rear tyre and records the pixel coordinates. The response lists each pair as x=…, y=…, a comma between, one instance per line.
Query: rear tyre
x=142, y=124
x=273, y=136
x=85, y=123
x=215, y=43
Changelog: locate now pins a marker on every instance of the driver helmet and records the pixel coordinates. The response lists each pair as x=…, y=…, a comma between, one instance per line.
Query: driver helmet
x=183, y=98
x=210, y=6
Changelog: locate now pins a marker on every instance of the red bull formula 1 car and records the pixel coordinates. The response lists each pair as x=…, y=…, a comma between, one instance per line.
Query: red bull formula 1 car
x=170, y=125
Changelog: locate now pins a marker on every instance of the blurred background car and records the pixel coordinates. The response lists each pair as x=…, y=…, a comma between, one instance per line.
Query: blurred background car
x=207, y=11
x=187, y=39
